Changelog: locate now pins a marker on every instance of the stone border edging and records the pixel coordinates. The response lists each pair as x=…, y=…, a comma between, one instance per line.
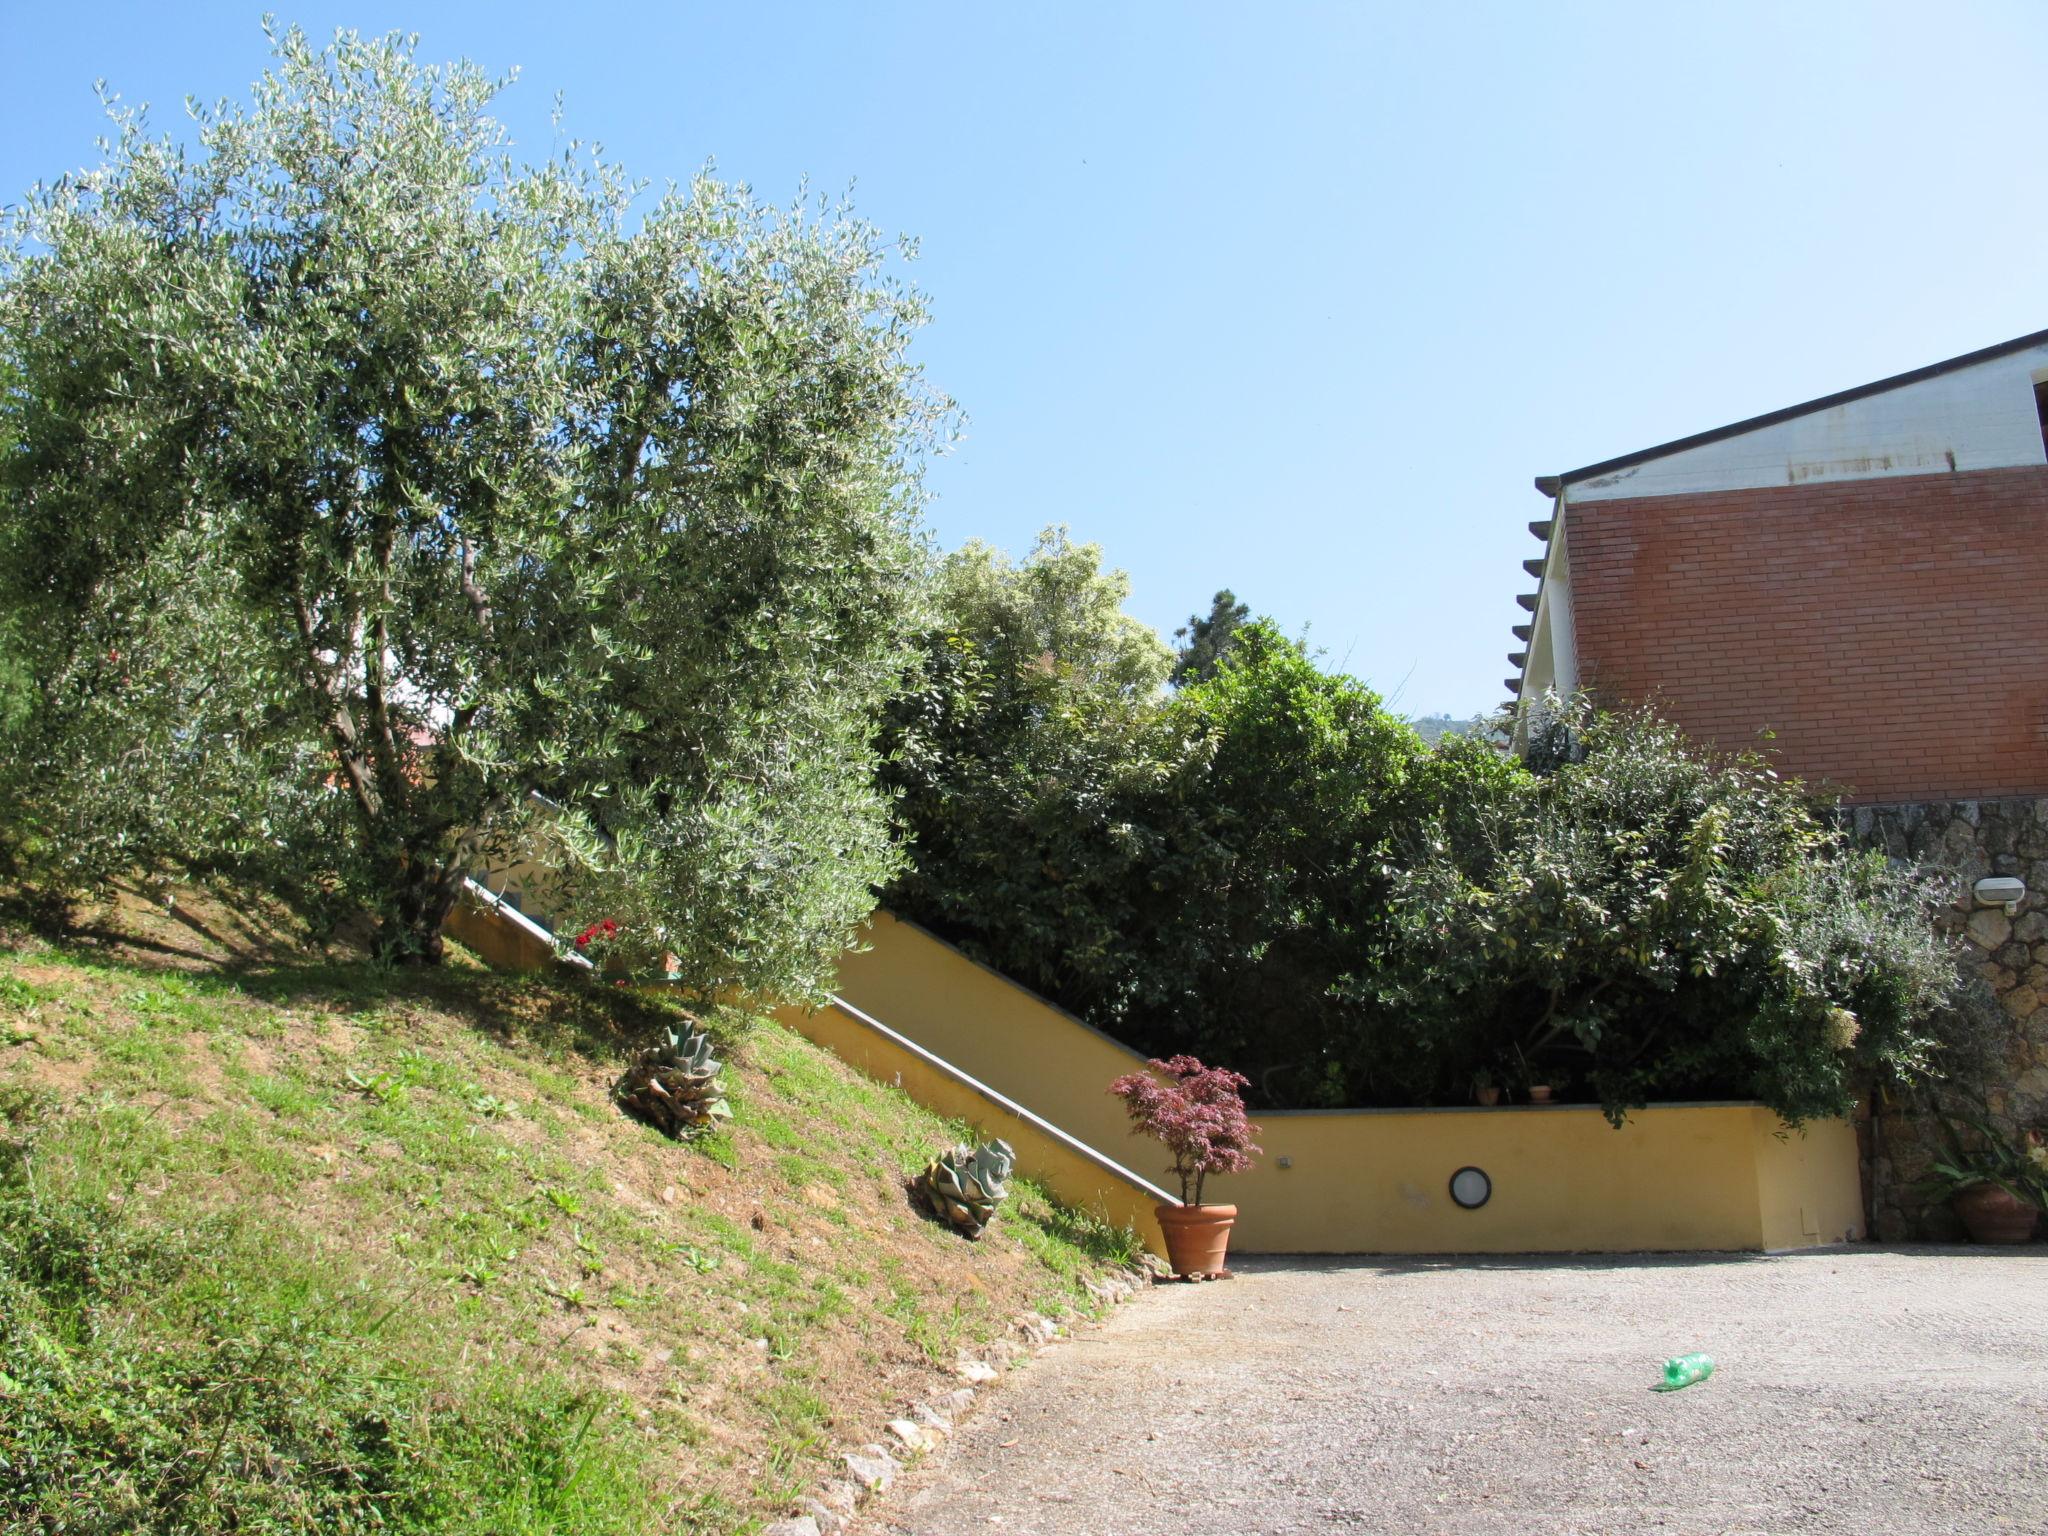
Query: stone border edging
x=871, y=1470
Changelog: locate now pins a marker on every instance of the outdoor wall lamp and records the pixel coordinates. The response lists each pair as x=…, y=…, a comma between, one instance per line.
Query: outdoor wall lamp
x=1471, y=1188
x=2006, y=891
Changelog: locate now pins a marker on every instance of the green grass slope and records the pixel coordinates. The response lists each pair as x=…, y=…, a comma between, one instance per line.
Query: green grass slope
x=292, y=1243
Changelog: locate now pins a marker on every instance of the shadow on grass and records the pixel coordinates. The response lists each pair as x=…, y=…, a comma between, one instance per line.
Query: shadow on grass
x=915, y=1202
x=262, y=948
x=564, y=1010
x=554, y=1012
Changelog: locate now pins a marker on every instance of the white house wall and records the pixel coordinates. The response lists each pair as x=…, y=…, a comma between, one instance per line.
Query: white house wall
x=1981, y=417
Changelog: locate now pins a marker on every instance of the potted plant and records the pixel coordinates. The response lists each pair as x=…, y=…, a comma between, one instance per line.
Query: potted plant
x=2000, y=1189
x=1486, y=1087
x=1198, y=1112
x=1538, y=1088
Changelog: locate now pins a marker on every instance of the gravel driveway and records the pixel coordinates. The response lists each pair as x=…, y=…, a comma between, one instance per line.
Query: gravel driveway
x=1857, y=1390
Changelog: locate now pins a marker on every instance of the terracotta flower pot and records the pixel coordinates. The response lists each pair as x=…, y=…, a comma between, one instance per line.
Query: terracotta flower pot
x=1539, y=1093
x=1995, y=1214
x=1197, y=1236
x=1487, y=1096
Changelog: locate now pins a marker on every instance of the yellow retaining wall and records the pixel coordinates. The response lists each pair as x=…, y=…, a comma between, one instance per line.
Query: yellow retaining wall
x=1076, y=1175
x=1810, y=1187
x=502, y=943
x=1707, y=1176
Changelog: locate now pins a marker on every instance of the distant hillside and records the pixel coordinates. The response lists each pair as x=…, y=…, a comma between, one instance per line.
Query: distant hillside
x=1433, y=728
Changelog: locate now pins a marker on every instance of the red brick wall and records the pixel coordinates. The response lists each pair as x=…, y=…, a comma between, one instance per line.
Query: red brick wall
x=1892, y=633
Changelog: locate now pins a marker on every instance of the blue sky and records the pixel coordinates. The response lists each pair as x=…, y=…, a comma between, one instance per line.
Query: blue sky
x=1290, y=298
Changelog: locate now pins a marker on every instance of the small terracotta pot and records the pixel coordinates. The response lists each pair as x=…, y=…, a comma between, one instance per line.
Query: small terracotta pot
x=1197, y=1236
x=1487, y=1096
x=1995, y=1214
x=1539, y=1093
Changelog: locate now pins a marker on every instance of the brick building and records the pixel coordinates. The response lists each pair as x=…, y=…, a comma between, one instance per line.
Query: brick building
x=1858, y=587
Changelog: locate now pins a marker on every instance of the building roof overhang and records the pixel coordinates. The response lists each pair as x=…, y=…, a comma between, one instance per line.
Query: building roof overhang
x=1552, y=485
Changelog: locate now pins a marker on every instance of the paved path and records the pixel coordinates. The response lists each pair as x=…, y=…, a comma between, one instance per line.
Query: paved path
x=1858, y=1390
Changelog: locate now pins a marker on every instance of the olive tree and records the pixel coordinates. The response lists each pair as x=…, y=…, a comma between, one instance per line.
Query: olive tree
x=368, y=486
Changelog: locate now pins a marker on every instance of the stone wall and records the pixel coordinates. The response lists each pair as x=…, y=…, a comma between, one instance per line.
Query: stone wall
x=1974, y=838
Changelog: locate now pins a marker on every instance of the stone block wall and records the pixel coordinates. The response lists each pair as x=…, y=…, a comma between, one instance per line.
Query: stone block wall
x=1974, y=838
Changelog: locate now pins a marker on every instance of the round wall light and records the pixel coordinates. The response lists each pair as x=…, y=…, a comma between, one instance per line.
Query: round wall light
x=1471, y=1188
x=2006, y=891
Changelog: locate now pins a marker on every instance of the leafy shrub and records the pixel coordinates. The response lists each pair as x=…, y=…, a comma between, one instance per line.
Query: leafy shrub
x=1650, y=921
x=1193, y=872
x=1268, y=868
x=1278, y=832
x=1018, y=760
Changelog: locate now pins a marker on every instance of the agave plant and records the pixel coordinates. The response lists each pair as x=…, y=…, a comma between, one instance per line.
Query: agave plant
x=674, y=1087
x=964, y=1186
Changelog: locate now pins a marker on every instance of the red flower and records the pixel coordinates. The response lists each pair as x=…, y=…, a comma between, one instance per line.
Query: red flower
x=604, y=928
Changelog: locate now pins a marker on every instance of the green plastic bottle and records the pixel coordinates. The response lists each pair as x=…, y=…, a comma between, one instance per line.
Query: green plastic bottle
x=1684, y=1371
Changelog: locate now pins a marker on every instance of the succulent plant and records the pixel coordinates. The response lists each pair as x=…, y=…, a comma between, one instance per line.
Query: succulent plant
x=963, y=1187
x=674, y=1086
